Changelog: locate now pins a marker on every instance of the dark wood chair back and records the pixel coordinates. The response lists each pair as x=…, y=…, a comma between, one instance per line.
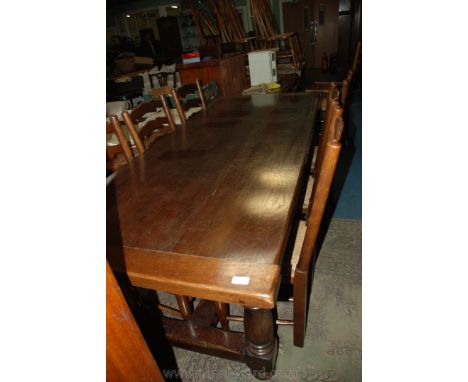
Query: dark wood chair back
x=187, y=89
x=112, y=151
x=162, y=78
x=333, y=130
x=333, y=94
x=157, y=125
x=332, y=112
x=182, y=104
x=210, y=92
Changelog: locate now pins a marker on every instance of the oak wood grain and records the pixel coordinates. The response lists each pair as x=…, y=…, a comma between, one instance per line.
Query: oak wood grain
x=216, y=198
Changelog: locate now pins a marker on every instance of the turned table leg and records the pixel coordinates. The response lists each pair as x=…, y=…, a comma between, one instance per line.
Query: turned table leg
x=261, y=347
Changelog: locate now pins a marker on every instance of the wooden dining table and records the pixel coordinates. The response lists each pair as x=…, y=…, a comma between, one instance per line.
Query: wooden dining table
x=207, y=211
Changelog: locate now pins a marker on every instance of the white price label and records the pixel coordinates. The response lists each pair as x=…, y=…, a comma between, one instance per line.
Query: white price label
x=240, y=280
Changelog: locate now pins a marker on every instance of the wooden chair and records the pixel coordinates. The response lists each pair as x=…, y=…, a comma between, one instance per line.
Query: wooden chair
x=332, y=112
x=328, y=98
x=342, y=88
x=145, y=120
x=302, y=266
x=332, y=125
x=299, y=265
x=185, y=303
x=209, y=92
x=189, y=99
x=162, y=78
x=114, y=149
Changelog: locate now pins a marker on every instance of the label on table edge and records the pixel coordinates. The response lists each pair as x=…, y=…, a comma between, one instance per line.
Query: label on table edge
x=240, y=280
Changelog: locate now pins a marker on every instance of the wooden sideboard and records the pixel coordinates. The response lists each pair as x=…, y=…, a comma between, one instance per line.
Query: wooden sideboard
x=229, y=73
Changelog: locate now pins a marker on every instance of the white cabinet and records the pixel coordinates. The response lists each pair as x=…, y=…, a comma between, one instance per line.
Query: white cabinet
x=262, y=66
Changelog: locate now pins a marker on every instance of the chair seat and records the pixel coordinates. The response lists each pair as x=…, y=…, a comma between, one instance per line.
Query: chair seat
x=288, y=269
x=310, y=185
x=188, y=114
x=192, y=111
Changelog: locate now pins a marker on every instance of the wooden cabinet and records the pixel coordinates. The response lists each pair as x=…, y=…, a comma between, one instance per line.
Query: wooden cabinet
x=229, y=73
x=169, y=39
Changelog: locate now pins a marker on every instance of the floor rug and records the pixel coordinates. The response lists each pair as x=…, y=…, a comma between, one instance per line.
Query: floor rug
x=332, y=351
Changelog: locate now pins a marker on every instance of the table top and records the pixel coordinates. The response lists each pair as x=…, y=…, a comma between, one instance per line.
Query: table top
x=215, y=199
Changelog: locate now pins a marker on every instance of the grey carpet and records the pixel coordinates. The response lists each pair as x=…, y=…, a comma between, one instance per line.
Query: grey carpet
x=332, y=351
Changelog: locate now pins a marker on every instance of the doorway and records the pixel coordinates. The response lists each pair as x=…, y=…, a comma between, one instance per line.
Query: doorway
x=316, y=22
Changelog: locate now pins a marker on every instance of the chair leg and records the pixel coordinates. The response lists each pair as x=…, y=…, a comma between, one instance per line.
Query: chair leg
x=185, y=306
x=300, y=307
x=222, y=311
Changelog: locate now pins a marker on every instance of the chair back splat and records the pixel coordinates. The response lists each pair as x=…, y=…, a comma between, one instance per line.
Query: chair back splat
x=112, y=151
x=333, y=111
x=122, y=147
x=143, y=120
x=191, y=98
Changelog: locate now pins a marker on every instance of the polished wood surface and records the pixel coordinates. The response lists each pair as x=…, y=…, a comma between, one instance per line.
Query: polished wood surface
x=200, y=276
x=128, y=357
x=224, y=183
x=213, y=200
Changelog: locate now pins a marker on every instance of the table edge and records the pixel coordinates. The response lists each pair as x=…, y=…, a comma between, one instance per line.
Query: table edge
x=197, y=276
